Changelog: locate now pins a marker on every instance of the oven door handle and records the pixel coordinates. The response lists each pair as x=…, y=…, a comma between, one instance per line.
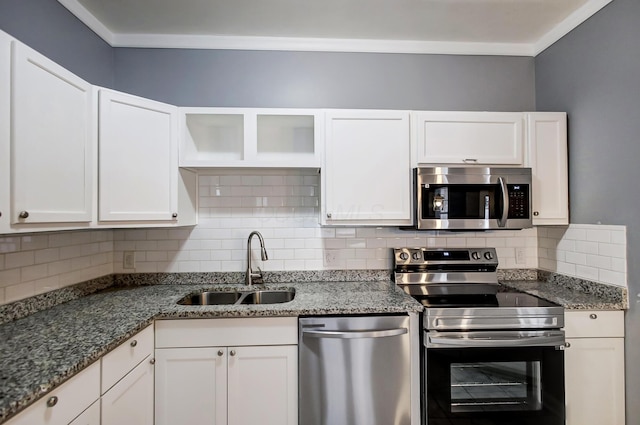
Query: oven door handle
x=462, y=340
x=502, y=221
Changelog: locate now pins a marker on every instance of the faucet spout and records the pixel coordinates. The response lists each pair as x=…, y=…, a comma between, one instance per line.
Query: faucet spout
x=251, y=276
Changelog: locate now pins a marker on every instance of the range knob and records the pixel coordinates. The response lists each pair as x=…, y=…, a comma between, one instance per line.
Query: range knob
x=488, y=255
x=475, y=255
x=416, y=256
x=404, y=256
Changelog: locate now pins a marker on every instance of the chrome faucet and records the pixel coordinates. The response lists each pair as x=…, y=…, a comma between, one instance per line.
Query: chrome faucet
x=251, y=275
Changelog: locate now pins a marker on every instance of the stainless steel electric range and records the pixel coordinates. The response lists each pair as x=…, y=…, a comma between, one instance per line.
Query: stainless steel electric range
x=491, y=357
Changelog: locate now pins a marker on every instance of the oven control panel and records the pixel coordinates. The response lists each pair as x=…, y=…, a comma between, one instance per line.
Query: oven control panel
x=445, y=256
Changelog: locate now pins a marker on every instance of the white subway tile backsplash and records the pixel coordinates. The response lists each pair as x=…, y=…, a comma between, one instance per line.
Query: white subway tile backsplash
x=593, y=252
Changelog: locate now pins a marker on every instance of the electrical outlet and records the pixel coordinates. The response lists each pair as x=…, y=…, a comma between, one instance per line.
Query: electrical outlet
x=330, y=257
x=129, y=260
x=521, y=257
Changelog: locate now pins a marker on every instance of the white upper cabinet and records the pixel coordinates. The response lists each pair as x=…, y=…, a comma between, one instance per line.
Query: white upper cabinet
x=546, y=154
x=5, y=134
x=53, y=137
x=467, y=138
x=138, y=160
x=366, y=172
x=241, y=137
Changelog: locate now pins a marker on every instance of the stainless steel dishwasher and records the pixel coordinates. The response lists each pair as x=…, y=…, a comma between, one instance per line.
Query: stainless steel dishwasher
x=355, y=370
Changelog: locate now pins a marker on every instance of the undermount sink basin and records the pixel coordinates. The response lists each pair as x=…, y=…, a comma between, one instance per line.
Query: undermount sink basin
x=211, y=298
x=268, y=297
x=262, y=296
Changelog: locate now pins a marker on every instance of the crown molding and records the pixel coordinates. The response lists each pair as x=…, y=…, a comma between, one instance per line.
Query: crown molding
x=220, y=42
x=318, y=45
x=569, y=24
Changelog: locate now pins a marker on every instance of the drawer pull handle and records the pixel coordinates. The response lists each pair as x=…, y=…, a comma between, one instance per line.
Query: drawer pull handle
x=134, y=343
x=220, y=353
x=593, y=316
x=233, y=352
x=52, y=401
x=567, y=344
x=174, y=215
x=24, y=214
x=152, y=361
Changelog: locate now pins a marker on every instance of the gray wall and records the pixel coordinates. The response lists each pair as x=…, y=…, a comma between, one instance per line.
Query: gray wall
x=49, y=28
x=330, y=80
x=593, y=73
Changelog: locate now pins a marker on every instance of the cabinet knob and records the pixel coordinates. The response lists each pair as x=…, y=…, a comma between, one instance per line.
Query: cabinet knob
x=0, y=213
x=567, y=344
x=134, y=343
x=152, y=360
x=174, y=215
x=23, y=214
x=52, y=401
x=328, y=215
x=220, y=353
x=536, y=213
x=232, y=352
x=593, y=316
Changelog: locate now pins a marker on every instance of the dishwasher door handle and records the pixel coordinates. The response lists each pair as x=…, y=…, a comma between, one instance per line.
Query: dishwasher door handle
x=380, y=333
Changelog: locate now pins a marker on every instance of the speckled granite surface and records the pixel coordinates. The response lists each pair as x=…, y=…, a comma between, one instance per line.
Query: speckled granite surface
x=572, y=293
x=48, y=338
x=42, y=350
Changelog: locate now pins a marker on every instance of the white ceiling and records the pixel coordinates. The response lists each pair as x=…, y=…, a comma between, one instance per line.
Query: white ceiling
x=507, y=27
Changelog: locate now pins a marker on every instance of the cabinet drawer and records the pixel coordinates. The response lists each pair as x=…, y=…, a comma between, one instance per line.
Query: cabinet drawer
x=590, y=323
x=225, y=332
x=69, y=400
x=117, y=363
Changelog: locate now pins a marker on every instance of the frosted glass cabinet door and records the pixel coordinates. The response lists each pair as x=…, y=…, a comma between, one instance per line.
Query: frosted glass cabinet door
x=366, y=174
x=138, y=159
x=52, y=141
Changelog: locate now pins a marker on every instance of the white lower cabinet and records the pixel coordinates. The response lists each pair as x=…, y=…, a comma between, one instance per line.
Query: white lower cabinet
x=127, y=381
x=62, y=405
x=91, y=416
x=130, y=401
x=594, y=368
x=250, y=376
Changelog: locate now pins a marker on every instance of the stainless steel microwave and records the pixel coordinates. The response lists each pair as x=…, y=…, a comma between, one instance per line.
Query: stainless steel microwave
x=472, y=198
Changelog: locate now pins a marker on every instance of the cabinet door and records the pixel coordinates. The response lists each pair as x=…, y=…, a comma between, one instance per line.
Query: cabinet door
x=191, y=386
x=5, y=151
x=547, y=157
x=594, y=380
x=91, y=416
x=130, y=401
x=52, y=142
x=263, y=385
x=138, y=165
x=468, y=138
x=366, y=173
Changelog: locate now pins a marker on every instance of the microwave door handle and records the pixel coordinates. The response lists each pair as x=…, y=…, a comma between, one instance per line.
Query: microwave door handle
x=502, y=221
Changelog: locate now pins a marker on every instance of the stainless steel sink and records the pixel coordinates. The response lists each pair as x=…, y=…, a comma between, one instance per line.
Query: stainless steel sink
x=262, y=296
x=212, y=298
x=268, y=297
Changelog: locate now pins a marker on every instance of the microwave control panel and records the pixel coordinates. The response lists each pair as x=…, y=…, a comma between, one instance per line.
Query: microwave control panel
x=518, y=200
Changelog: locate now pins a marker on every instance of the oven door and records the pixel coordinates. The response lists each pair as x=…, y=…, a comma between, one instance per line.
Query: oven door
x=494, y=378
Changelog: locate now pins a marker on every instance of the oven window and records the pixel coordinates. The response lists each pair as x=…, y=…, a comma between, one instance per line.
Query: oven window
x=496, y=386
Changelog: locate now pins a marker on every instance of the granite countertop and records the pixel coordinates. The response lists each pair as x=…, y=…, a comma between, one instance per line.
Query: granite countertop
x=43, y=346
x=44, y=349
